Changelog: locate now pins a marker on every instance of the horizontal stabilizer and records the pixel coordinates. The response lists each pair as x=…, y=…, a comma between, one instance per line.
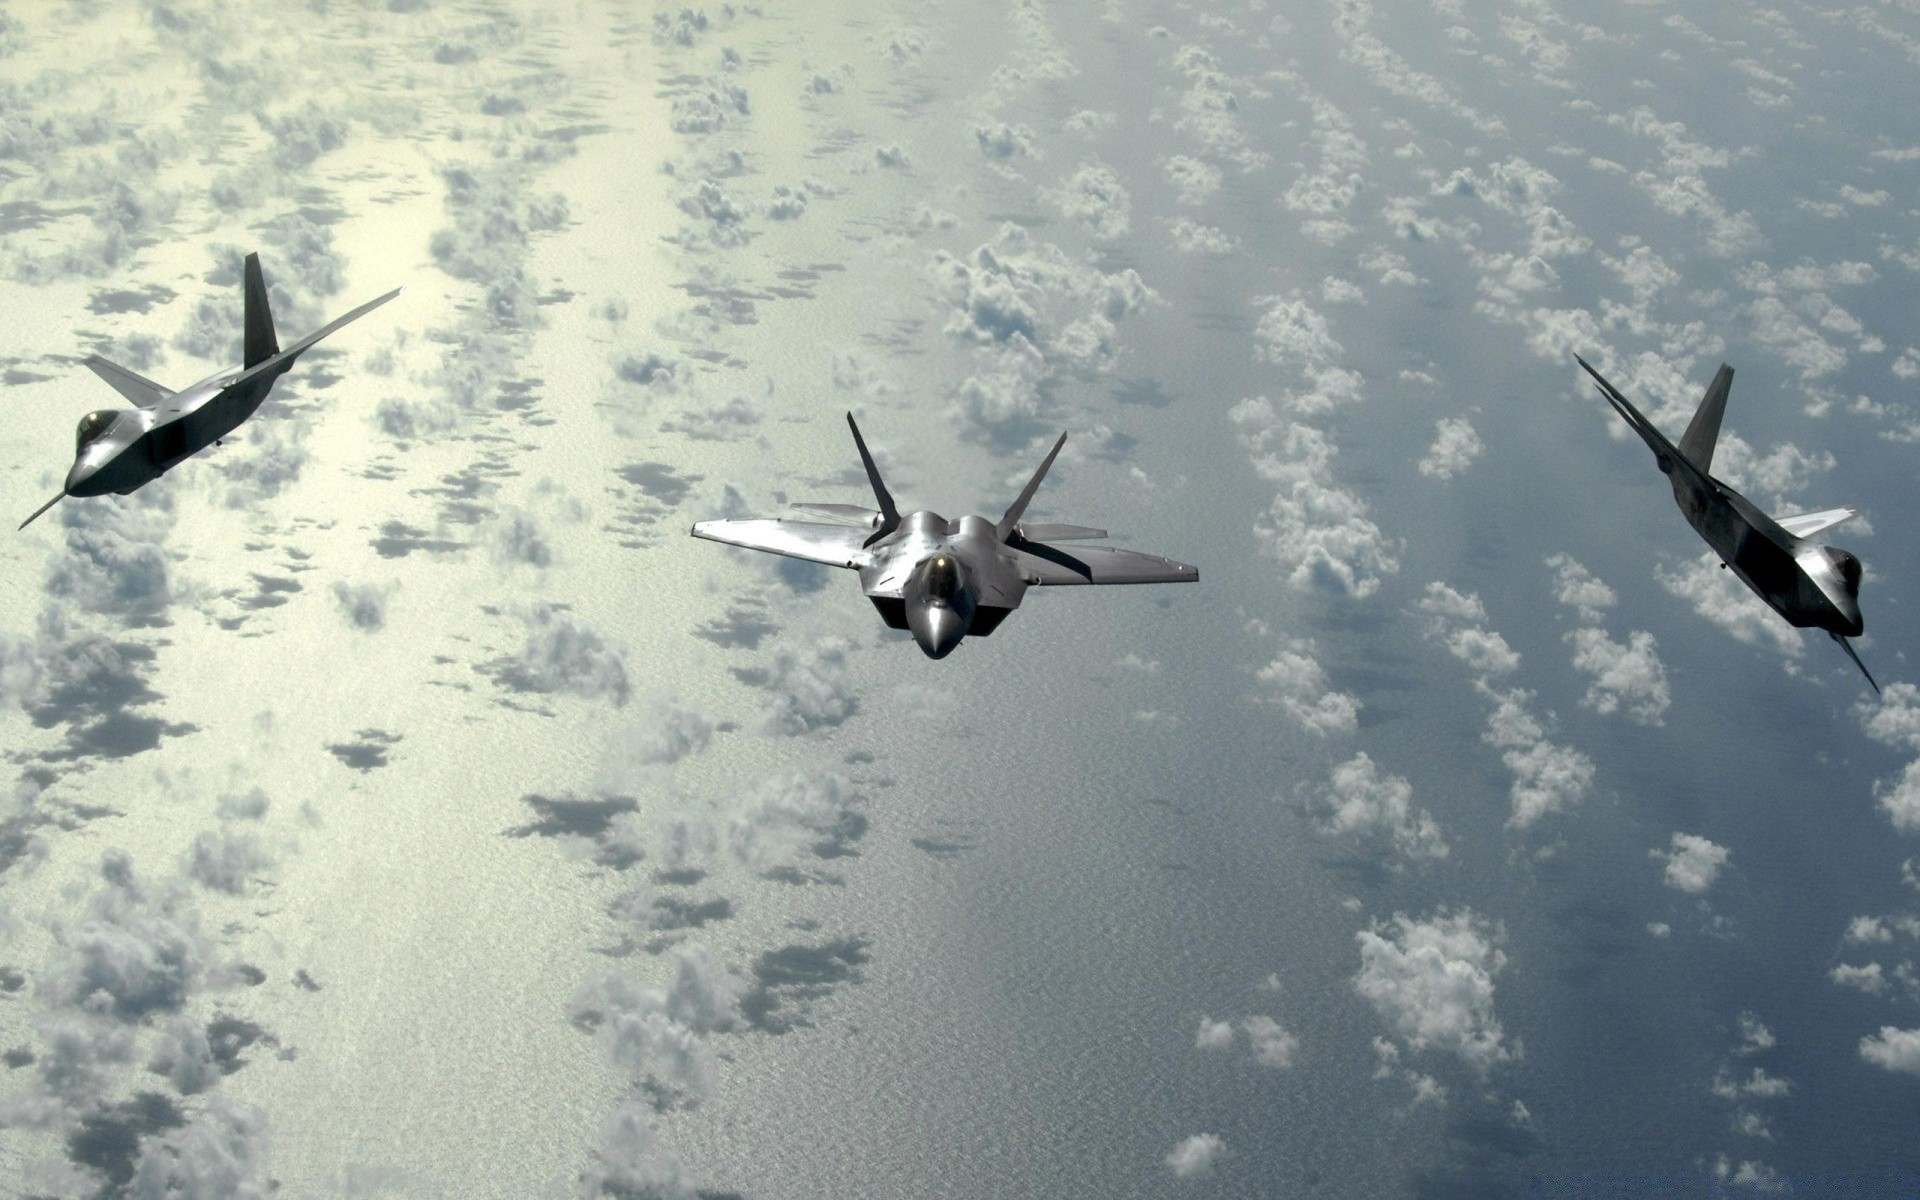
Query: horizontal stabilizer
x=1808, y=524
x=870, y=517
x=1057, y=533
x=143, y=392
x=834, y=545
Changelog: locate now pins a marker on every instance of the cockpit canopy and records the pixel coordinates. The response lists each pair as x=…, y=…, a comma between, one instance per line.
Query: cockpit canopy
x=92, y=426
x=943, y=577
x=1848, y=566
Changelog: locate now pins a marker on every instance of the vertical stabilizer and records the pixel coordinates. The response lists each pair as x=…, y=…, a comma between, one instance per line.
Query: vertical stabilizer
x=889, y=515
x=1704, y=430
x=1012, y=519
x=261, y=345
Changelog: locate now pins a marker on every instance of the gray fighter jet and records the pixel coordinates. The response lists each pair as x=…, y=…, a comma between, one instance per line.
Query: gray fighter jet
x=121, y=450
x=1810, y=584
x=942, y=579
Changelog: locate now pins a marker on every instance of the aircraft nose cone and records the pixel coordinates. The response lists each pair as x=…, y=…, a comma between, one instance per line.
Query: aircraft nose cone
x=937, y=628
x=78, y=477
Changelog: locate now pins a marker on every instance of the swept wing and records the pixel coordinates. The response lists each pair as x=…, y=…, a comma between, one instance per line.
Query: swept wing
x=835, y=545
x=1051, y=566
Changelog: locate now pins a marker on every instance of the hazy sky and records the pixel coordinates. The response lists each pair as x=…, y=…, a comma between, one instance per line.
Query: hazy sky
x=404, y=806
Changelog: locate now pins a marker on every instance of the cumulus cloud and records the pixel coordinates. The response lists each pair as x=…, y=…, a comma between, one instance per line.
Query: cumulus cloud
x=1194, y=181
x=1297, y=683
x=1214, y=1035
x=809, y=687
x=1721, y=598
x=563, y=653
x=1626, y=677
x=792, y=813
x=1321, y=534
x=1432, y=982
x=1894, y=1049
x=1273, y=1046
x=1692, y=863
x=364, y=605
x=1455, y=446
x=1360, y=804
x=1196, y=1156
x=1578, y=589
x=1547, y=776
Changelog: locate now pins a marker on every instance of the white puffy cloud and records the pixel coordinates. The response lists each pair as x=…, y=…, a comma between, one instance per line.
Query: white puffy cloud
x=1214, y=1035
x=220, y=1153
x=634, y=1160
x=1720, y=597
x=809, y=687
x=1900, y=798
x=1870, y=979
x=1693, y=863
x=1093, y=196
x=1547, y=776
x=1895, y=1049
x=1195, y=1156
x=1626, y=676
x=1273, y=1046
x=786, y=815
x=1360, y=804
x=1455, y=445
x=1297, y=683
x=563, y=653
x=1578, y=589
x=1432, y=982
x=1194, y=181
x=1320, y=533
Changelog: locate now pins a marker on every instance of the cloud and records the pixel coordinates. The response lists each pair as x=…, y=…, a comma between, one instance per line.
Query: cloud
x=1578, y=589
x=1693, y=863
x=1004, y=141
x=1273, y=1046
x=115, y=561
x=633, y=1161
x=1320, y=533
x=1455, y=446
x=1432, y=982
x=138, y=951
x=1194, y=182
x=1626, y=676
x=226, y=859
x=364, y=605
x=1214, y=1035
x=220, y=1153
x=1720, y=597
x=794, y=813
x=564, y=654
x=1195, y=1157
x=1896, y=1050
x=1296, y=682
x=1358, y=803
x=809, y=687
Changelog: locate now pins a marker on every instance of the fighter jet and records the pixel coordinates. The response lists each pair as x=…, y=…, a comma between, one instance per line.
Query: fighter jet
x=941, y=579
x=1810, y=584
x=121, y=450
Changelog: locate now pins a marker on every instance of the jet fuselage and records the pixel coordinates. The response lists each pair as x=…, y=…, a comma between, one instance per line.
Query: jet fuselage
x=130, y=448
x=938, y=578
x=1813, y=586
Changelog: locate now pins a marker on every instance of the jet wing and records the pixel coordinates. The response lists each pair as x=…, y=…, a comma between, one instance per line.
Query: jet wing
x=1655, y=440
x=835, y=545
x=1808, y=524
x=284, y=359
x=141, y=391
x=1050, y=566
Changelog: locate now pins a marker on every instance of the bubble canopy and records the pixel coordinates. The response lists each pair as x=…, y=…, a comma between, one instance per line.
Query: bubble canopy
x=92, y=426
